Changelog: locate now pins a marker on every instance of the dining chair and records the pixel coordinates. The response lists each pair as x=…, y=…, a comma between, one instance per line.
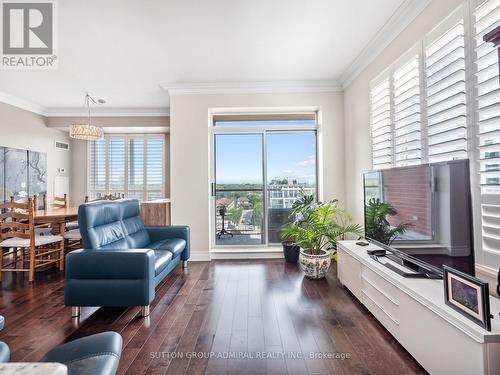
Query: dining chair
x=55, y=202
x=23, y=244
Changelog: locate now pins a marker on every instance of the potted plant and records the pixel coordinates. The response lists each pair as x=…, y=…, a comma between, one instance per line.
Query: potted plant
x=377, y=225
x=291, y=250
x=316, y=230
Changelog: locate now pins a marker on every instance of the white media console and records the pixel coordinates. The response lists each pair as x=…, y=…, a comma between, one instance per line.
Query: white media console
x=414, y=312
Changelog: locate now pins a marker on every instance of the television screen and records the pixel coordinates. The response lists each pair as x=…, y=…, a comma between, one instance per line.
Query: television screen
x=423, y=211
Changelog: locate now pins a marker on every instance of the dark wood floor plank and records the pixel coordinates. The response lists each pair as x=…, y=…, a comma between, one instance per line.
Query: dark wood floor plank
x=215, y=309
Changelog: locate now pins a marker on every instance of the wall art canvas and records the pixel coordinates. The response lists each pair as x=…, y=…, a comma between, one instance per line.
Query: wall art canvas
x=23, y=173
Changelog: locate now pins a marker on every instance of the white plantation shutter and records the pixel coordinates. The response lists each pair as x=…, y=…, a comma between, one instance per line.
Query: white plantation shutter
x=130, y=164
x=116, y=166
x=381, y=128
x=136, y=159
x=486, y=18
x=406, y=117
x=445, y=91
x=155, y=168
x=97, y=168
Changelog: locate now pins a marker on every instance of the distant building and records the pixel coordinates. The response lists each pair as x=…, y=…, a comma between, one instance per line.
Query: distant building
x=283, y=192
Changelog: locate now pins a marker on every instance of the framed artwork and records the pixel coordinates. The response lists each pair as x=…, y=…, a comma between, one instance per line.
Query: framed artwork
x=23, y=173
x=467, y=295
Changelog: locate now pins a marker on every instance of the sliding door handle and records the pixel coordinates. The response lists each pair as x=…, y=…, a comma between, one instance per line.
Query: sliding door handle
x=213, y=189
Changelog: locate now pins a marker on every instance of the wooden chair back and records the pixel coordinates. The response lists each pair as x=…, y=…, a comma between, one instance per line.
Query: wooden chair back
x=57, y=202
x=16, y=220
x=106, y=197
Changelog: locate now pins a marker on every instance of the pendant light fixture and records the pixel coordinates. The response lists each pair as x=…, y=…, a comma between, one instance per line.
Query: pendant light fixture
x=87, y=131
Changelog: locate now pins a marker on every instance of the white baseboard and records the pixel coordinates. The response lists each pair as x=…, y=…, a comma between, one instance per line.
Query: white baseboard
x=247, y=253
x=199, y=256
x=237, y=253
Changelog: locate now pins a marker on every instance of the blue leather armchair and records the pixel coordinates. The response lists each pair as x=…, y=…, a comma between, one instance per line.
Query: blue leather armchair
x=123, y=261
x=97, y=354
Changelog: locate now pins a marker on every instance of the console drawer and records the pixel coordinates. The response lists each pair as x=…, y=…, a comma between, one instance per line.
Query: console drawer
x=382, y=299
x=349, y=272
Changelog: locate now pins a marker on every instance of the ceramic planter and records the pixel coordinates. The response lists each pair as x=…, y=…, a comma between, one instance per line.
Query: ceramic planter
x=314, y=266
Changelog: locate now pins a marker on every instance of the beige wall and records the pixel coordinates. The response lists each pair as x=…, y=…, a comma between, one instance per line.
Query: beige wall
x=356, y=100
x=26, y=130
x=190, y=154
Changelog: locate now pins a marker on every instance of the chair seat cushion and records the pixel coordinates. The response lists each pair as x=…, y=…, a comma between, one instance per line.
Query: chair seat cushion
x=4, y=352
x=73, y=234
x=25, y=242
x=72, y=225
x=174, y=245
x=162, y=259
x=95, y=354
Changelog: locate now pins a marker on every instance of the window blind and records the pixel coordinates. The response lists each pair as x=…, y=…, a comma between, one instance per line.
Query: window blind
x=116, y=165
x=406, y=118
x=381, y=128
x=486, y=18
x=136, y=168
x=445, y=78
x=129, y=164
x=97, y=167
x=155, y=168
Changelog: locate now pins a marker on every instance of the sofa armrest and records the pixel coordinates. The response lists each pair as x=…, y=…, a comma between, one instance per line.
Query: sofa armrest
x=110, y=264
x=174, y=231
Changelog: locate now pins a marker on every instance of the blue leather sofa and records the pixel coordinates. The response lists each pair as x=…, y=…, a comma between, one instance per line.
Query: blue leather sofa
x=92, y=355
x=123, y=260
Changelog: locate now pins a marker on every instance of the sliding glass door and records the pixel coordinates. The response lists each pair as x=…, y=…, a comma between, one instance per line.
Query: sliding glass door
x=290, y=170
x=257, y=178
x=238, y=189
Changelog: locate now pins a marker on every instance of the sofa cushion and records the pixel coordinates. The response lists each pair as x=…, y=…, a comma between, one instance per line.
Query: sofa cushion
x=95, y=354
x=174, y=245
x=100, y=225
x=133, y=227
x=162, y=259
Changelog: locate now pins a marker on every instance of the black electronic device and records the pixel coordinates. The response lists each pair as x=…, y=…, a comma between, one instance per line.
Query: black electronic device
x=362, y=243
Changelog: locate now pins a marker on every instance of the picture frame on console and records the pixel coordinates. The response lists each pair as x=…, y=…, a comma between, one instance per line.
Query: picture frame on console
x=468, y=295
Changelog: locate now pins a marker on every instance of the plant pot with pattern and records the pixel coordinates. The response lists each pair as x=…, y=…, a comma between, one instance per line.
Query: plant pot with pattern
x=316, y=228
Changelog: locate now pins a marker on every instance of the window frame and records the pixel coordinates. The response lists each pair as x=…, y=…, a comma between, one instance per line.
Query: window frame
x=127, y=137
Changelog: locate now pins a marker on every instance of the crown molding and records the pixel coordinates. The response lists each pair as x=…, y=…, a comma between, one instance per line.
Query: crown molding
x=108, y=112
x=22, y=104
x=399, y=20
x=80, y=111
x=260, y=87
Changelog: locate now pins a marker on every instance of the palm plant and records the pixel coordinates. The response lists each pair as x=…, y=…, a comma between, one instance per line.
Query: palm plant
x=377, y=225
x=318, y=226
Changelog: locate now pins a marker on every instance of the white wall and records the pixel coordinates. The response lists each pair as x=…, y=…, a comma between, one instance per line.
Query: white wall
x=356, y=105
x=189, y=154
x=26, y=130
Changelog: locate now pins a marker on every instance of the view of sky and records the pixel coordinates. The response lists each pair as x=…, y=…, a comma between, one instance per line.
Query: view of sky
x=289, y=155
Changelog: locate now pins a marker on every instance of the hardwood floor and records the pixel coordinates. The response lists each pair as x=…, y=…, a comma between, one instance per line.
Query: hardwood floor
x=232, y=309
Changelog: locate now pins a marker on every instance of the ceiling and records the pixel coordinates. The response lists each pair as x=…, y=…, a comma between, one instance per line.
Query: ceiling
x=125, y=50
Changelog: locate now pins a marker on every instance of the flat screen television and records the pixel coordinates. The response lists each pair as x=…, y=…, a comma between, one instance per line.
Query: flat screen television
x=422, y=213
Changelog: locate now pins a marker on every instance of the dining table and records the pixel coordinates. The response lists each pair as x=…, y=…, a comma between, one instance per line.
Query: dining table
x=56, y=217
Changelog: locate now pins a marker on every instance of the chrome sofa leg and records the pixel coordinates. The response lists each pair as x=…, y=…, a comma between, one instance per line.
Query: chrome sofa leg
x=75, y=311
x=184, y=264
x=145, y=311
